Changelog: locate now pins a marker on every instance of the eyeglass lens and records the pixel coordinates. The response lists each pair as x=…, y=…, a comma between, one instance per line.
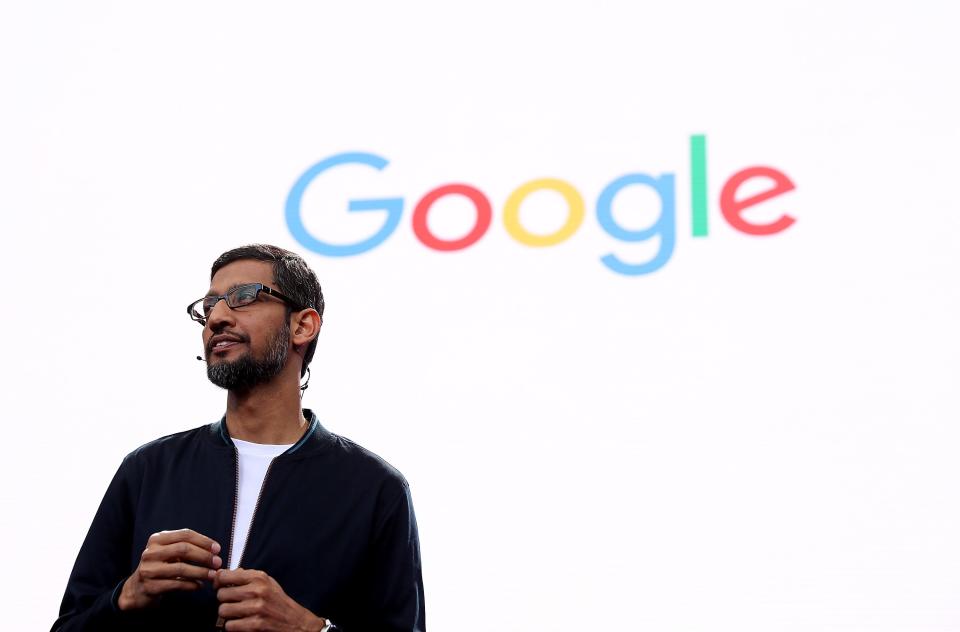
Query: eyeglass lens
x=237, y=297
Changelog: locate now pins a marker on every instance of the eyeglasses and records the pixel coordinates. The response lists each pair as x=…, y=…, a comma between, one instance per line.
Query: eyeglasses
x=239, y=296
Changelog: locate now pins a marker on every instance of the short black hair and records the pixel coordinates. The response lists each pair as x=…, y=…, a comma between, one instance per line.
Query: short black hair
x=293, y=277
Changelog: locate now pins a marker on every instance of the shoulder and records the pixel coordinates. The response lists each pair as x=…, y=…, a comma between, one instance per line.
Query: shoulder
x=372, y=477
x=358, y=472
x=348, y=458
x=364, y=461
x=154, y=460
x=178, y=442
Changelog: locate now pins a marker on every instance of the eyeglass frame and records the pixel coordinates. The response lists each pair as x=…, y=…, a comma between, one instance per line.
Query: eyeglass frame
x=224, y=297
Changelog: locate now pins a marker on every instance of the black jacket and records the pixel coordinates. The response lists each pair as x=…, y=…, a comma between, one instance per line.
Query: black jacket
x=335, y=527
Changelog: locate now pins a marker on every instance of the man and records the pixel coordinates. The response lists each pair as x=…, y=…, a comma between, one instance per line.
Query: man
x=263, y=520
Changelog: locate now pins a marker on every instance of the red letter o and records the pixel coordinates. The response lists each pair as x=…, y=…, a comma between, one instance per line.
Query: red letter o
x=480, y=202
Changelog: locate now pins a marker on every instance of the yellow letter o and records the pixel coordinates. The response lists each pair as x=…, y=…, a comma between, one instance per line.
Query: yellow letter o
x=511, y=212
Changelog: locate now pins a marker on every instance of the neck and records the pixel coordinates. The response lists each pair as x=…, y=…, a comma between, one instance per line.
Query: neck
x=267, y=413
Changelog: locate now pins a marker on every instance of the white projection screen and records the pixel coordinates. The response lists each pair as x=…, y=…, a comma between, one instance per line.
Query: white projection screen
x=654, y=305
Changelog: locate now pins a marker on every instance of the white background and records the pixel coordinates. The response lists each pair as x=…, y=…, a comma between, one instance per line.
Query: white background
x=759, y=436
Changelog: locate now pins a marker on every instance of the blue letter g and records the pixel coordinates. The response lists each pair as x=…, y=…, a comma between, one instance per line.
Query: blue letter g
x=393, y=207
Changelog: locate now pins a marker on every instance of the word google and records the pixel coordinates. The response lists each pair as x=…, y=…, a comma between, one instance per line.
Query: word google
x=731, y=206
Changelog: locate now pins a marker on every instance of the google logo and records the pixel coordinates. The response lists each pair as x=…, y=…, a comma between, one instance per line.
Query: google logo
x=732, y=206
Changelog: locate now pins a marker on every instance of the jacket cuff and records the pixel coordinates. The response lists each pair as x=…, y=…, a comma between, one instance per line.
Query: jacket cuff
x=115, y=596
x=105, y=612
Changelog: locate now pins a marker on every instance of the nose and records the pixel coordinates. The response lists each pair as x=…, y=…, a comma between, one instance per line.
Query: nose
x=220, y=316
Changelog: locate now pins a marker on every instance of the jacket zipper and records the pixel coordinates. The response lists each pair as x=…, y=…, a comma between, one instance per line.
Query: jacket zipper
x=233, y=522
x=256, y=506
x=236, y=503
x=221, y=622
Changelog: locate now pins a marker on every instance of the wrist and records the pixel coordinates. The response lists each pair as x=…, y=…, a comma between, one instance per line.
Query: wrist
x=125, y=599
x=328, y=626
x=314, y=623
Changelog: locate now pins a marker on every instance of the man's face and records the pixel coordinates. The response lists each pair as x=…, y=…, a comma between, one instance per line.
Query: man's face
x=248, y=345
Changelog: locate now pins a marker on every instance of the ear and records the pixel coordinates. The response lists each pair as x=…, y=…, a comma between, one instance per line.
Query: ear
x=304, y=327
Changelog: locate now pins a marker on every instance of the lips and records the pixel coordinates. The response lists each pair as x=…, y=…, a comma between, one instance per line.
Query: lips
x=221, y=343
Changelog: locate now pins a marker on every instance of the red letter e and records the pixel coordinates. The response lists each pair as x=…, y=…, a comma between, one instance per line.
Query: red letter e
x=732, y=208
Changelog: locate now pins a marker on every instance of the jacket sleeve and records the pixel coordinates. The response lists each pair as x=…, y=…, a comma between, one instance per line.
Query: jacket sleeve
x=103, y=563
x=394, y=599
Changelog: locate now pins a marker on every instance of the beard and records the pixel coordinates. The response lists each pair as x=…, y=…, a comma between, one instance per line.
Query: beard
x=246, y=371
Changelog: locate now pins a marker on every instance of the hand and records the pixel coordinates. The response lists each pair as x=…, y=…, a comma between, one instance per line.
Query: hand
x=173, y=560
x=252, y=600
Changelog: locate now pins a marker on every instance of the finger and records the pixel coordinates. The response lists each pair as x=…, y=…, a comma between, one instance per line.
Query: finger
x=237, y=593
x=151, y=571
x=240, y=609
x=185, y=535
x=237, y=577
x=246, y=624
x=182, y=551
x=159, y=586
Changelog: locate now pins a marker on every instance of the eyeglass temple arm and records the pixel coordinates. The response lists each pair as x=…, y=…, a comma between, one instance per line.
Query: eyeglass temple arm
x=289, y=300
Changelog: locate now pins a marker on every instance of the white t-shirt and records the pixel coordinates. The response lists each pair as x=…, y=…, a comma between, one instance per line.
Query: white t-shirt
x=254, y=458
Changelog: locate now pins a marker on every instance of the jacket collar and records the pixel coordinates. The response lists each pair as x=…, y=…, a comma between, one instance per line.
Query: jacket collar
x=314, y=437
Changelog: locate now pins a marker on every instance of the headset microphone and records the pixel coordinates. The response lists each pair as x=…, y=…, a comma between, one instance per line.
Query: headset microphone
x=201, y=359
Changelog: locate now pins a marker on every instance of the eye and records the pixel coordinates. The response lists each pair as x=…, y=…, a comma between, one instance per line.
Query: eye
x=245, y=295
x=208, y=304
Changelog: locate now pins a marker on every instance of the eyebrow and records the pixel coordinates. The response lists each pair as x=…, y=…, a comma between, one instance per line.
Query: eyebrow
x=229, y=289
